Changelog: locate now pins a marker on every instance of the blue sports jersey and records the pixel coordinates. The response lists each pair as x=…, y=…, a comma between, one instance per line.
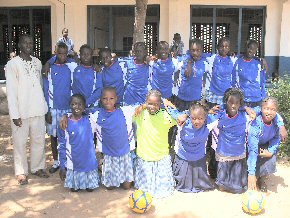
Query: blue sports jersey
x=190, y=88
x=114, y=130
x=57, y=87
x=113, y=76
x=137, y=82
x=259, y=134
x=231, y=135
x=190, y=142
x=221, y=77
x=163, y=76
x=76, y=146
x=250, y=78
x=88, y=82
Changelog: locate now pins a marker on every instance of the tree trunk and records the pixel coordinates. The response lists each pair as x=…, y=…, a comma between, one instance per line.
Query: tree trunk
x=140, y=16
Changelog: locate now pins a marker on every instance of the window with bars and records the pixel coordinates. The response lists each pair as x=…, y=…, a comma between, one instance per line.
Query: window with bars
x=150, y=37
x=255, y=33
x=203, y=31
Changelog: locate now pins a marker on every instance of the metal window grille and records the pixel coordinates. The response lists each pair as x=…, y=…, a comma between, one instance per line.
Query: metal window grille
x=255, y=33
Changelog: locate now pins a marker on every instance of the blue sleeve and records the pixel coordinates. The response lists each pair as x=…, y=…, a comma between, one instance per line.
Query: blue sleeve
x=45, y=90
x=263, y=83
x=253, y=149
x=52, y=60
x=174, y=113
x=279, y=120
x=61, y=148
x=274, y=143
x=97, y=92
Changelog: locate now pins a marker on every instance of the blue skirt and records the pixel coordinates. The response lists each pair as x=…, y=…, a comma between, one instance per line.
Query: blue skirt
x=117, y=170
x=266, y=166
x=232, y=176
x=82, y=180
x=191, y=176
x=155, y=177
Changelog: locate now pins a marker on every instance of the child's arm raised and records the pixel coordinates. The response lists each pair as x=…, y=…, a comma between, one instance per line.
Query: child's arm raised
x=62, y=153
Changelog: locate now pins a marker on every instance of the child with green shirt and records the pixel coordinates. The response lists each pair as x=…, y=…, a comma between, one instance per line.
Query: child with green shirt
x=153, y=170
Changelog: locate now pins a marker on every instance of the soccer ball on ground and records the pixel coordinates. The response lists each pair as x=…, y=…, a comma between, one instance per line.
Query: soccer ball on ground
x=140, y=201
x=253, y=202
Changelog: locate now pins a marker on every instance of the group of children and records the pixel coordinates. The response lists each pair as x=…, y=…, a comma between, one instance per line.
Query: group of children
x=131, y=105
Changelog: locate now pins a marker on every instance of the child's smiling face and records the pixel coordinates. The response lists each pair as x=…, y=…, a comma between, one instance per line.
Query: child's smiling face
x=86, y=56
x=269, y=110
x=153, y=104
x=251, y=51
x=77, y=106
x=232, y=105
x=224, y=49
x=163, y=51
x=109, y=100
x=197, y=117
x=106, y=58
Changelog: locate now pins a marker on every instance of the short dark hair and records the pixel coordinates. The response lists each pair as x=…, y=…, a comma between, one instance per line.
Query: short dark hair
x=199, y=104
x=105, y=50
x=21, y=37
x=61, y=45
x=155, y=93
x=234, y=92
x=79, y=96
x=222, y=40
x=196, y=41
x=86, y=46
x=272, y=99
x=250, y=42
x=109, y=89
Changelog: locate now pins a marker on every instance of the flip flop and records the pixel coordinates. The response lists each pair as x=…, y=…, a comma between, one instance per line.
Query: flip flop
x=41, y=173
x=22, y=180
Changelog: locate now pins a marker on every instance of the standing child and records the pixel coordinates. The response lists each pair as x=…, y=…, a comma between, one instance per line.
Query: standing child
x=189, y=168
x=153, y=163
x=113, y=73
x=57, y=91
x=163, y=70
x=137, y=77
x=177, y=46
x=264, y=141
x=77, y=150
x=192, y=72
x=86, y=81
x=231, y=146
x=249, y=76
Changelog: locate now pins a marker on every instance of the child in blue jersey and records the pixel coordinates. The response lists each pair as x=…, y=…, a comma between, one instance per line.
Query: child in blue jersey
x=137, y=77
x=163, y=70
x=191, y=77
x=57, y=92
x=249, y=76
x=189, y=168
x=113, y=73
x=86, y=80
x=221, y=74
x=263, y=144
x=231, y=143
x=78, y=162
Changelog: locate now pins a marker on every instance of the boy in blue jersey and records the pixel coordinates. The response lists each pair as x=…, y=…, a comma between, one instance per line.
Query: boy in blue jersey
x=163, y=70
x=77, y=156
x=191, y=78
x=113, y=73
x=249, y=76
x=57, y=92
x=137, y=77
x=86, y=80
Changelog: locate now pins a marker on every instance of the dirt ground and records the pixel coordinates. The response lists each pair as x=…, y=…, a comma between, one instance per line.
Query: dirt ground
x=48, y=197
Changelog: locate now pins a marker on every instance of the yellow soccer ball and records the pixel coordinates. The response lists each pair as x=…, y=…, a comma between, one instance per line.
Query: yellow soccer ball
x=140, y=201
x=253, y=202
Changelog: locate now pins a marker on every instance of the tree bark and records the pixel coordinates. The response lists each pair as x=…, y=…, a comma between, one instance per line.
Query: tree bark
x=140, y=16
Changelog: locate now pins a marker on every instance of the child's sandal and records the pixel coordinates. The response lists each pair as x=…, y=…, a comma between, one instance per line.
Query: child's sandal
x=41, y=173
x=22, y=180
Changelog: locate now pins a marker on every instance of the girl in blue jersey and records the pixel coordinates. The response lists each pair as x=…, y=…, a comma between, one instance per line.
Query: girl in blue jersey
x=57, y=92
x=249, y=76
x=137, y=77
x=113, y=73
x=163, y=70
x=86, y=80
x=263, y=142
x=77, y=150
x=231, y=143
x=220, y=78
x=191, y=78
x=189, y=168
